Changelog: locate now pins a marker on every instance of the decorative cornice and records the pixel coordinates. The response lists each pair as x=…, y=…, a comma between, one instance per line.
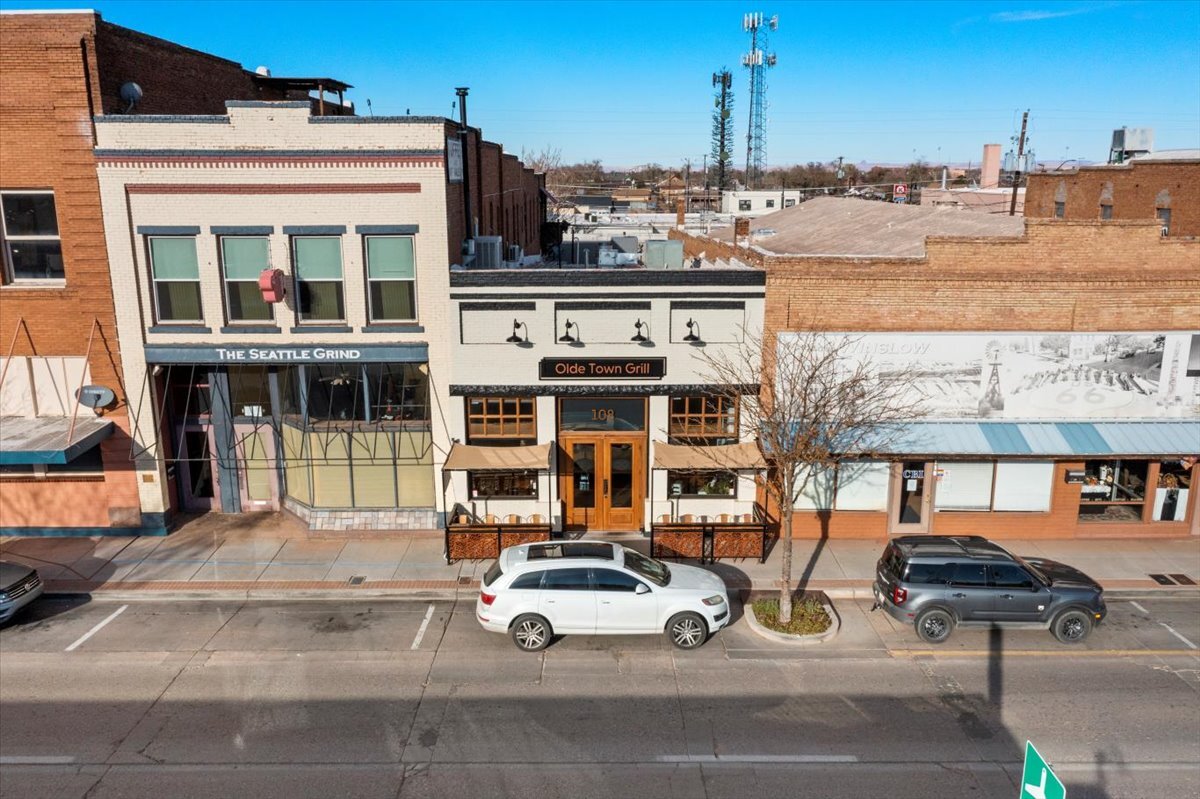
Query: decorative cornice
x=273, y=188
x=270, y=159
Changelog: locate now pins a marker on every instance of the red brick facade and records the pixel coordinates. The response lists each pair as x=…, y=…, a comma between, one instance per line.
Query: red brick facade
x=1135, y=190
x=1070, y=276
x=59, y=69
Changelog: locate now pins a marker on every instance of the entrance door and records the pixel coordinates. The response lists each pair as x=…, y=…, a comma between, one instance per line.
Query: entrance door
x=197, y=471
x=258, y=478
x=911, y=500
x=603, y=481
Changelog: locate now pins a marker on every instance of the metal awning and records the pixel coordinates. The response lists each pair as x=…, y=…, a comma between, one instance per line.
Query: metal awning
x=44, y=440
x=1169, y=438
x=728, y=456
x=464, y=457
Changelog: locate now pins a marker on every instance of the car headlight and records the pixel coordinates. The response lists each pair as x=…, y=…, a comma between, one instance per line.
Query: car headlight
x=715, y=599
x=3, y=597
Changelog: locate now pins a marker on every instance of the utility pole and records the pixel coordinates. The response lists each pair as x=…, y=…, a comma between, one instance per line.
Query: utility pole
x=1012, y=206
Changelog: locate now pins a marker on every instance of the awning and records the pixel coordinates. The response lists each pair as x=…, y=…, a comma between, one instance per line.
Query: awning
x=44, y=440
x=481, y=459
x=1169, y=438
x=728, y=456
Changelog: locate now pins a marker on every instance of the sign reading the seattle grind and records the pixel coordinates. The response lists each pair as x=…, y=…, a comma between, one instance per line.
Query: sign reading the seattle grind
x=602, y=368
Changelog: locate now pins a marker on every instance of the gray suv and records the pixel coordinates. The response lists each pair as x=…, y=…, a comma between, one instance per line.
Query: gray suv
x=937, y=583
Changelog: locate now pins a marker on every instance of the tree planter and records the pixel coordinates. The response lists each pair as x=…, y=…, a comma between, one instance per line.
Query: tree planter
x=835, y=624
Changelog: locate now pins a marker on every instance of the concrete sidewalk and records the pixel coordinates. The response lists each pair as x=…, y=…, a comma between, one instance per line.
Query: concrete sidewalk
x=269, y=554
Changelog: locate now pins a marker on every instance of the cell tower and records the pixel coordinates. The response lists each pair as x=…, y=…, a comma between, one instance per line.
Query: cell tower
x=757, y=61
x=722, y=127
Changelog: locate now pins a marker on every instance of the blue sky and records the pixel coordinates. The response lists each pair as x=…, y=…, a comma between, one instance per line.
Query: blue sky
x=630, y=82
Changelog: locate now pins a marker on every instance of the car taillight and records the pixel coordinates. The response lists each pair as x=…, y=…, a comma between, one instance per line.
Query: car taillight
x=899, y=595
x=487, y=598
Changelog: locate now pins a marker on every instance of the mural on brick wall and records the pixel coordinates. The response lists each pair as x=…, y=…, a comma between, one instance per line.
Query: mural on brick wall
x=1043, y=375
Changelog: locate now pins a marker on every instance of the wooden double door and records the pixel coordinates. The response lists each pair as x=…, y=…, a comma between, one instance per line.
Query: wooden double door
x=603, y=481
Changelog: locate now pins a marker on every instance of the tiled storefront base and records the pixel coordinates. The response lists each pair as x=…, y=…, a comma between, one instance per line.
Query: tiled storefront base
x=365, y=519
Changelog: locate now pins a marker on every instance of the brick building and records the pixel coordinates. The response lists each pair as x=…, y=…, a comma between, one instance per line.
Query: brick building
x=1061, y=365
x=65, y=467
x=322, y=391
x=1164, y=185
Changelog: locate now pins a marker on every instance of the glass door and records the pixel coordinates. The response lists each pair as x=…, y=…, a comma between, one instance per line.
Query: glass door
x=197, y=473
x=603, y=482
x=579, y=482
x=911, y=499
x=622, y=504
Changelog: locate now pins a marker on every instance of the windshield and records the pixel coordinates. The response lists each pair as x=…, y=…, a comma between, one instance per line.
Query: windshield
x=1034, y=570
x=653, y=570
x=492, y=573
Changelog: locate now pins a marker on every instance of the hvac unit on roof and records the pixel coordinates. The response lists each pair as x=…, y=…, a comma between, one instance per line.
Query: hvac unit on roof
x=488, y=252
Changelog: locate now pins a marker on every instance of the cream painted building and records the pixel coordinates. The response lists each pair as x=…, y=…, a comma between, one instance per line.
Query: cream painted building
x=281, y=284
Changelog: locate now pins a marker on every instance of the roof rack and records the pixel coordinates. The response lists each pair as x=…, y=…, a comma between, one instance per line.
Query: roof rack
x=570, y=549
x=967, y=544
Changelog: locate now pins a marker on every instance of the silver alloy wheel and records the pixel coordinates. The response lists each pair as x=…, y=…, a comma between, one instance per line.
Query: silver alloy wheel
x=687, y=632
x=1072, y=628
x=934, y=627
x=531, y=634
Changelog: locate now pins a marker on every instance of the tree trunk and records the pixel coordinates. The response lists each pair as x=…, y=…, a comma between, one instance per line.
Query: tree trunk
x=785, y=582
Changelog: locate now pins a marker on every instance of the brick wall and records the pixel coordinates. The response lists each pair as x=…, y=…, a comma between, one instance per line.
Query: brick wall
x=1135, y=190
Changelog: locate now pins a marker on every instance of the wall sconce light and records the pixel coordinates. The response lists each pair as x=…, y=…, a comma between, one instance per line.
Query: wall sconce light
x=515, y=338
x=566, y=337
x=693, y=336
x=638, y=337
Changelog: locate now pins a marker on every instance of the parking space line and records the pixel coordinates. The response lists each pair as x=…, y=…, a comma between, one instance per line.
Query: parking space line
x=1139, y=607
x=1172, y=631
x=35, y=760
x=95, y=629
x=416, y=644
x=757, y=758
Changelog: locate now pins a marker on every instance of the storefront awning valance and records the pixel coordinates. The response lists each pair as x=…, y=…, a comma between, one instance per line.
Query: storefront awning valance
x=464, y=457
x=728, y=456
x=44, y=440
x=1169, y=438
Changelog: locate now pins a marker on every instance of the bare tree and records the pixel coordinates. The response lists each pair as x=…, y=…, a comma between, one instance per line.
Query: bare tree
x=821, y=405
x=548, y=161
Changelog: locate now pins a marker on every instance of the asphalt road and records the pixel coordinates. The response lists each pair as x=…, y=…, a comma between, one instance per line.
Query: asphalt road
x=410, y=698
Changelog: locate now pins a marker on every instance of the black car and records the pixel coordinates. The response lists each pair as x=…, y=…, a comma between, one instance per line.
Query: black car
x=19, y=585
x=937, y=583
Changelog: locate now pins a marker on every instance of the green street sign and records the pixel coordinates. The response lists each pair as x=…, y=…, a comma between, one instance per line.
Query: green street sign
x=1038, y=781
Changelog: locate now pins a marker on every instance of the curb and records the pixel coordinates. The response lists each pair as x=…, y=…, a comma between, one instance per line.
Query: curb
x=795, y=640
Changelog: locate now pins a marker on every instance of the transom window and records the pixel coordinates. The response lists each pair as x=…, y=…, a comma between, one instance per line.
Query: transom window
x=704, y=420
x=32, y=248
x=513, y=419
x=391, y=278
x=318, y=268
x=243, y=258
x=175, y=273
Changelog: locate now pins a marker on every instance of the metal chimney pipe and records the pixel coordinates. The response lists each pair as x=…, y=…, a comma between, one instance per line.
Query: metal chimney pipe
x=468, y=217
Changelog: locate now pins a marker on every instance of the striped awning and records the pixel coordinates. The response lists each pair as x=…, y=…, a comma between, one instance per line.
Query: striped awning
x=1171, y=438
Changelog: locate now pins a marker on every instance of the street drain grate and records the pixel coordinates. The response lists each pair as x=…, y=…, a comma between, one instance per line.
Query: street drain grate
x=1182, y=579
x=1162, y=579
x=357, y=579
x=464, y=580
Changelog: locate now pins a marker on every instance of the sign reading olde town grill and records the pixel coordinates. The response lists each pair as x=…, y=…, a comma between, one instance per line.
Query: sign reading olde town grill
x=602, y=368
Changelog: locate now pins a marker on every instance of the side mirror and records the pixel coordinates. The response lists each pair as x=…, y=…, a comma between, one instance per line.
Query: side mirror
x=642, y=588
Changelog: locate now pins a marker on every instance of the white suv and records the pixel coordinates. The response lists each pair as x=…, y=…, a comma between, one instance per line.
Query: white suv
x=536, y=591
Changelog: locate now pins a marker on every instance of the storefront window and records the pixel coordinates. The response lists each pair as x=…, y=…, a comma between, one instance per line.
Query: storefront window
x=1172, y=492
x=377, y=393
x=702, y=484
x=603, y=415
x=1113, y=491
x=501, y=420
x=703, y=420
x=504, y=484
x=187, y=391
x=336, y=393
x=249, y=391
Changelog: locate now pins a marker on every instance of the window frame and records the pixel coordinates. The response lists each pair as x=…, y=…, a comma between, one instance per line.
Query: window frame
x=9, y=275
x=154, y=281
x=745, y=205
x=703, y=432
x=226, y=280
x=500, y=418
x=1106, y=211
x=297, y=280
x=1060, y=209
x=693, y=475
x=371, y=317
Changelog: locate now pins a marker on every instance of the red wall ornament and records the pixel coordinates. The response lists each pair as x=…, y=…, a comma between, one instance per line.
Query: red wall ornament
x=270, y=282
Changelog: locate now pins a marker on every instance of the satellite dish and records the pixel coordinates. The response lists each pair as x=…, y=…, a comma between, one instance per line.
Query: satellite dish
x=131, y=93
x=95, y=396
x=264, y=71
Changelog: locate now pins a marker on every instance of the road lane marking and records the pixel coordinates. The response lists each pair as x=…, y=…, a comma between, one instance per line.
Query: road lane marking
x=1172, y=631
x=96, y=629
x=1139, y=607
x=416, y=644
x=941, y=653
x=35, y=760
x=757, y=758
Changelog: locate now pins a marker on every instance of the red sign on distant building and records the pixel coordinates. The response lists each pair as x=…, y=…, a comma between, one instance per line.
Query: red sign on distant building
x=900, y=190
